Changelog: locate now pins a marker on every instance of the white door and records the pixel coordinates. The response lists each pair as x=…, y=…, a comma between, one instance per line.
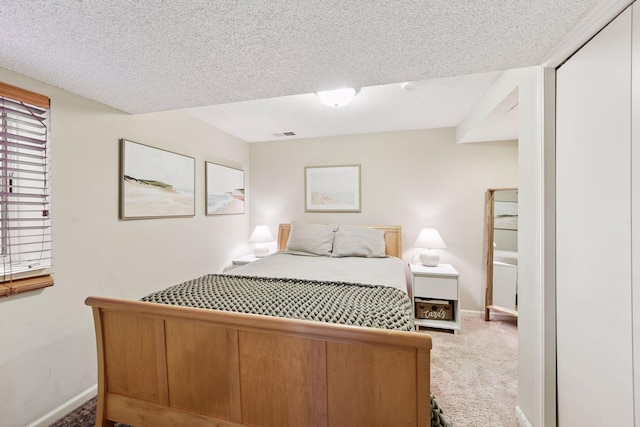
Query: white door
x=593, y=178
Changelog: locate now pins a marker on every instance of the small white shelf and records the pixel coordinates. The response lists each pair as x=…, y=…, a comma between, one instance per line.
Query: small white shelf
x=437, y=283
x=439, y=324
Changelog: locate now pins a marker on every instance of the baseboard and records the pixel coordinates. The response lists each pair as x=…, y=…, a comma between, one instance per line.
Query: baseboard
x=494, y=314
x=522, y=419
x=478, y=312
x=68, y=406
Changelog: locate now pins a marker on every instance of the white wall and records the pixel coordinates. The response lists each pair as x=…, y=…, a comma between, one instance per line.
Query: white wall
x=47, y=352
x=536, y=250
x=414, y=179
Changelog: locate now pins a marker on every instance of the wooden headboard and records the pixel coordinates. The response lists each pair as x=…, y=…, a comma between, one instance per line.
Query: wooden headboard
x=392, y=238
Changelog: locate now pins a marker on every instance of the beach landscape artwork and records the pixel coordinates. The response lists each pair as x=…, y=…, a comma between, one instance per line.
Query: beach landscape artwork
x=155, y=183
x=225, y=189
x=332, y=188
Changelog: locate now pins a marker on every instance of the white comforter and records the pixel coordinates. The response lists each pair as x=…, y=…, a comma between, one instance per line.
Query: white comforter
x=387, y=271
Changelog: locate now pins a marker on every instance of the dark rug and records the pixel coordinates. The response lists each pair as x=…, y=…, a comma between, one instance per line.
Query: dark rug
x=85, y=416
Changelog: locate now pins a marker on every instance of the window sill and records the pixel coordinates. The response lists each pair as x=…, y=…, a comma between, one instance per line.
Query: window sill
x=24, y=285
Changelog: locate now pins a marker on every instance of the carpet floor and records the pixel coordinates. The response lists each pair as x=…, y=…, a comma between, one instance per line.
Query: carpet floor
x=473, y=375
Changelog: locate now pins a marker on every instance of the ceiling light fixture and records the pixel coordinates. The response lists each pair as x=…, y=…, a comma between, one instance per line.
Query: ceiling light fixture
x=337, y=97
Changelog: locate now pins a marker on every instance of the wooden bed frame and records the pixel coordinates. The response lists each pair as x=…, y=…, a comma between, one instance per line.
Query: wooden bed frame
x=164, y=365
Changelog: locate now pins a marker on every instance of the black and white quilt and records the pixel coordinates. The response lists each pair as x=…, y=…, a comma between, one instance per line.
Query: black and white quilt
x=332, y=302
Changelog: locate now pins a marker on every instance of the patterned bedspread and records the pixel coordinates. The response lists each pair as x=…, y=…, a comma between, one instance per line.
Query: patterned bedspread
x=332, y=302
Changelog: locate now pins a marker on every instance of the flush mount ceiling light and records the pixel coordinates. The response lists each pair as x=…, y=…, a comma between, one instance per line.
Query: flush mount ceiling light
x=337, y=97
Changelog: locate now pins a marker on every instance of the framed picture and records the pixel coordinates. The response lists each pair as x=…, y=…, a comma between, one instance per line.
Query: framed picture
x=332, y=188
x=224, y=189
x=155, y=183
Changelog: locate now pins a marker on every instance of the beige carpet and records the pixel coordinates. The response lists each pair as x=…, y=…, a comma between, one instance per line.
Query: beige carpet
x=474, y=374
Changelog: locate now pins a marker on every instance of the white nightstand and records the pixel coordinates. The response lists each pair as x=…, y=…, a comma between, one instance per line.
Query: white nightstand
x=436, y=283
x=244, y=260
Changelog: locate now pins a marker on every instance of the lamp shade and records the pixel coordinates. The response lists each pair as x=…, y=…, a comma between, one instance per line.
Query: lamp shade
x=429, y=238
x=261, y=234
x=337, y=97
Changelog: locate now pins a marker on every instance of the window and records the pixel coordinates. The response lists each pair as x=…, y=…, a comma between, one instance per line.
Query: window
x=25, y=217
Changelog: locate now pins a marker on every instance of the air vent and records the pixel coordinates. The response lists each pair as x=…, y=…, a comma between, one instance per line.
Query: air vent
x=280, y=135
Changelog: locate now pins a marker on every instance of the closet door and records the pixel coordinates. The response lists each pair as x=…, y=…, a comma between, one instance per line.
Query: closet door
x=635, y=202
x=593, y=208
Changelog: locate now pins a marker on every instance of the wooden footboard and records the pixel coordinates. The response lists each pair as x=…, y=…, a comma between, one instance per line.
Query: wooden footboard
x=162, y=365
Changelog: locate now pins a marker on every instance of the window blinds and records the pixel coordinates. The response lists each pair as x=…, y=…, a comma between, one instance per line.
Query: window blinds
x=25, y=217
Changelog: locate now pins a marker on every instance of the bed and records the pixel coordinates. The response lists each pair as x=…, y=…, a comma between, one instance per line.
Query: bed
x=166, y=364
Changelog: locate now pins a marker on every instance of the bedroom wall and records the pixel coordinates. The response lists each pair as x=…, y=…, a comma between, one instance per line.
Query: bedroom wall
x=47, y=351
x=414, y=178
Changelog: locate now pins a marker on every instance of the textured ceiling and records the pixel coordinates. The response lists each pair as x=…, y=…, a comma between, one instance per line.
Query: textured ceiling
x=154, y=55
x=425, y=104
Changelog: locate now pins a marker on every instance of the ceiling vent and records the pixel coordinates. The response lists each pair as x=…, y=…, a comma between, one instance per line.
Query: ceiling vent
x=280, y=135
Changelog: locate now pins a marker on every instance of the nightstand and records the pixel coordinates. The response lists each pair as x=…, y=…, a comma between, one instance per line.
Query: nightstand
x=244, y=260
x=436, y=283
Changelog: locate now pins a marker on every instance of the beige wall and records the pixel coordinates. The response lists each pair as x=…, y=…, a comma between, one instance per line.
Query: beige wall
x=47, y=349
x=415, y=179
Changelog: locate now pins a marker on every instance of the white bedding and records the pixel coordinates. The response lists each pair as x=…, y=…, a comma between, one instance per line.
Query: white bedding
x=505, y=256
x=387, y=271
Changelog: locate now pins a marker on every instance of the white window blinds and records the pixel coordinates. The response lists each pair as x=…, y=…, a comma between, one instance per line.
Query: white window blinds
x=25, y=217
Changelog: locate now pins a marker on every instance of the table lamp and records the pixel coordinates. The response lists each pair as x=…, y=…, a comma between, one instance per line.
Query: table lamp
x=429, y=239
x=260, y=236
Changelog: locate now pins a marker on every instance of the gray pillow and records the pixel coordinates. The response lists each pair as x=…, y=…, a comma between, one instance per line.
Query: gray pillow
x=314, y=239
x=359, y=241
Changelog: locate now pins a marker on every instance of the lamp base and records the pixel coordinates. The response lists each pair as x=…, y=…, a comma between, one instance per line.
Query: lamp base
x=429, y=258
x=261, y=251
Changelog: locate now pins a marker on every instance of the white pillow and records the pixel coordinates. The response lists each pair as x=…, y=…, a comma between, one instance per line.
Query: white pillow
x=359, y=241
x=314, y=239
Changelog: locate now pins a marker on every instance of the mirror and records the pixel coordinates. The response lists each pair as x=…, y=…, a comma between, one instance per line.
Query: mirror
x=501, y=251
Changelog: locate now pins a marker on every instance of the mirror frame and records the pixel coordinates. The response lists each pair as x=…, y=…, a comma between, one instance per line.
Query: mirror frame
x=489, y=199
